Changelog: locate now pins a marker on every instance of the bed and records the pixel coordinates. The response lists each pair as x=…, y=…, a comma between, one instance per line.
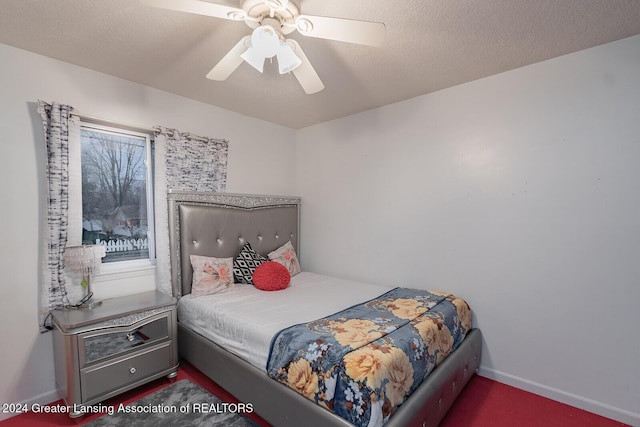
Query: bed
x=220, y=225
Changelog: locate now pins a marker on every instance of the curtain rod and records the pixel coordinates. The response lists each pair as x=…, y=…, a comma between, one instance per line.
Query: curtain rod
x=129, y=126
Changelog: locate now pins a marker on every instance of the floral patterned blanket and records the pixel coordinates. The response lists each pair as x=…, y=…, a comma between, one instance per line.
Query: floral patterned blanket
x=363, y=362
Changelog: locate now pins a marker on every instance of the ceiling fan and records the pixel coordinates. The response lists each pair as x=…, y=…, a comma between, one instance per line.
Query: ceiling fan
x=271, y=20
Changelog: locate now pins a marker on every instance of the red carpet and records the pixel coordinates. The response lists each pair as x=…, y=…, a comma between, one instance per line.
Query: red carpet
x=483, y=403
x=486, y=403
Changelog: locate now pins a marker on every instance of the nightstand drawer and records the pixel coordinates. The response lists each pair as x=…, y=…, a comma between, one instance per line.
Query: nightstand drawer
x=106, y=343
x=104, y=378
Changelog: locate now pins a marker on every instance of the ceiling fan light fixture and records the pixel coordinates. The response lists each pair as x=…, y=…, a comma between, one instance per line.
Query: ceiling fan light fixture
x=271, y=21
x=254, y=58
x=287, y=59
x=265, y=40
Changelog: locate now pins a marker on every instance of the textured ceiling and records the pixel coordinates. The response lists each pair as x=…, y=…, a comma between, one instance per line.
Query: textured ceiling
x=430, y=45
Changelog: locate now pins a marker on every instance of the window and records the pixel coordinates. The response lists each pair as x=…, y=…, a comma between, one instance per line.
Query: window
x=117, y=194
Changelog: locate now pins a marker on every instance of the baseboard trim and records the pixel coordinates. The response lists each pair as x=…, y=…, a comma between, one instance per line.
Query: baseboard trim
x=41, y=399
x=571, y=399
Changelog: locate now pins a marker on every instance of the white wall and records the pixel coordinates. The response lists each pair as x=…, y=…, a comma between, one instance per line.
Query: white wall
x=257, y=149
x=519, y=192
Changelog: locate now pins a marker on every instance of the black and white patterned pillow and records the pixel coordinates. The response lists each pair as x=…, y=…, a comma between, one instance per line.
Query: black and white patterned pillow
x=245, y=264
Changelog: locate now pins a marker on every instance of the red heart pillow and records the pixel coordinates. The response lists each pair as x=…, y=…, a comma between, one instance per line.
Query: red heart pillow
x=271, y=276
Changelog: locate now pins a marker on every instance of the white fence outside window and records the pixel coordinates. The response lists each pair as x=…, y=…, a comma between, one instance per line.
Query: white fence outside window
x=123, y=245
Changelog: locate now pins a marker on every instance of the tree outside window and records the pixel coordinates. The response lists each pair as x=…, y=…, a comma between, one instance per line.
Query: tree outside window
x=114, y=193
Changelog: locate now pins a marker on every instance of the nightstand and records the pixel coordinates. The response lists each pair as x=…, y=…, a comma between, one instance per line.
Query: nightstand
x=116, y=346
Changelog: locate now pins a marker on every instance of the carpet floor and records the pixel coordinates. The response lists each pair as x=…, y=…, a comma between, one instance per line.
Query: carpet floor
x=487, y=403
x=483, y=403
x=186, y=371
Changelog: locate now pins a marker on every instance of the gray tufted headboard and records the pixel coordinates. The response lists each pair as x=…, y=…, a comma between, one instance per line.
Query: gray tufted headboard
x=220, y=224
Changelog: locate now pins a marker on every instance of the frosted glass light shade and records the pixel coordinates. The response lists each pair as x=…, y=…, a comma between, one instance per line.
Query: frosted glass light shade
x=254, y=58
x=287, y=59
x=265, y=43
x=265, y=40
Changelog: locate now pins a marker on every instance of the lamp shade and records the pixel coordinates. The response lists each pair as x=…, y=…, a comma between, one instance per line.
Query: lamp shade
x=84, y=259
x=287, y=59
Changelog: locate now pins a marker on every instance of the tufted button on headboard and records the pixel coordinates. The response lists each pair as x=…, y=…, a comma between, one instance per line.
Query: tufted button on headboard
x=220, y=224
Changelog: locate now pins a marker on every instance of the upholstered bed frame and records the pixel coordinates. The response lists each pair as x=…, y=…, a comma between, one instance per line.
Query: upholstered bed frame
x=218, y=225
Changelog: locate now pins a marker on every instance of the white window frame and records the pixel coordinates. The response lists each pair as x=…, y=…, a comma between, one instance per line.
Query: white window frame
x=124, y=267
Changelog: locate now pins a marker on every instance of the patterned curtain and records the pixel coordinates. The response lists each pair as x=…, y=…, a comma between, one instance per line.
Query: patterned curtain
x=57, y=123
x=187, y=163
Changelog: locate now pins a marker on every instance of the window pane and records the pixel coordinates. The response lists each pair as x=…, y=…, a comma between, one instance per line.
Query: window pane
x=114, y=194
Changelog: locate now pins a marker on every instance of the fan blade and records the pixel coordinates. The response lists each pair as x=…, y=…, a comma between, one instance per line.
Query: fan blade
x=230, y=61
x=344, y=30
x=305, y=73
x=199, y=7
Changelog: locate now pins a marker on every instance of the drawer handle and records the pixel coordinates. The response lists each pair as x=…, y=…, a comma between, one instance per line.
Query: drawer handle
x=132, y=370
